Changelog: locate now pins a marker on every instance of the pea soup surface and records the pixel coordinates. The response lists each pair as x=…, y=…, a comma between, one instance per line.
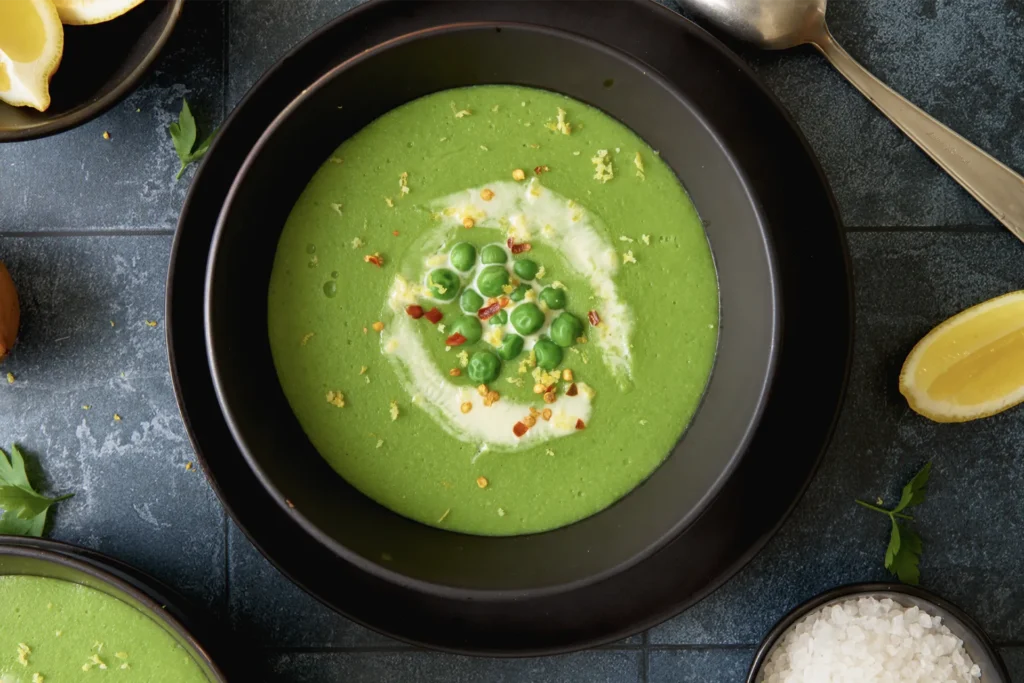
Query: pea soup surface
x=494, y=310
x=57, y=631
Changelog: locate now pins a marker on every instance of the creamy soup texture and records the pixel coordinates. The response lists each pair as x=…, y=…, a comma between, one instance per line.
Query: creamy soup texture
x=494, y=310
x=61, y=632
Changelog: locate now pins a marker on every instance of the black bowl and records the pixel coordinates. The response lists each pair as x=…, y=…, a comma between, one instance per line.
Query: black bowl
x=102, y=63
x=53, y=560
x=347, y=522
x=976, y=643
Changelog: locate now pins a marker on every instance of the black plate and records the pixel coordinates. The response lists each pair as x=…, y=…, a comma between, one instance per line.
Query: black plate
x=39, y=557
x=101, y=64
x=812, y=364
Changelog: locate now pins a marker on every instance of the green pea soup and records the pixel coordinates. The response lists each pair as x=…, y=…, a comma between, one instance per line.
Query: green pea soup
x=494, y=310
x=54, y=631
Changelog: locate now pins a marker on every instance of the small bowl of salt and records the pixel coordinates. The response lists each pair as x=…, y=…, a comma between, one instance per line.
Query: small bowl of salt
x=877, y=633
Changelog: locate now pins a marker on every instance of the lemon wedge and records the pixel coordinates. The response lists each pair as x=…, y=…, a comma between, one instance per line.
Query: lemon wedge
x=970, y=366
x=79, y=12
x=31, y=45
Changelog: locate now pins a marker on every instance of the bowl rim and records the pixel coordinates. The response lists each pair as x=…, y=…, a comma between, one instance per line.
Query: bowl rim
x=82, y=115
x=850, y=590
x=67, y=555
x=381, y=570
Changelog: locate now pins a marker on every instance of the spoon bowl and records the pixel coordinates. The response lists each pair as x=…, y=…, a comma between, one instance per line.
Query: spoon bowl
x=771, y=25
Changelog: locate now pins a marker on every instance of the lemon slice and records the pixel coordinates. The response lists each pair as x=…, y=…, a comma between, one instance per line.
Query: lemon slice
x=78, y=12
x=970, y=366
x=31, y=44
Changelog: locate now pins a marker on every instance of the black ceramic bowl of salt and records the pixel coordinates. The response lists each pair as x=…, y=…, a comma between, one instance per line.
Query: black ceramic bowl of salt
x=976, y=644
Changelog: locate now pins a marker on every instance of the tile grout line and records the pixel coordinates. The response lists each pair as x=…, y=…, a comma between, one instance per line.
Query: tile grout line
x=225, y=73
x=645, y=656
x=952, y=229
x=227, y=571
x=109, y=232
x=406, y=649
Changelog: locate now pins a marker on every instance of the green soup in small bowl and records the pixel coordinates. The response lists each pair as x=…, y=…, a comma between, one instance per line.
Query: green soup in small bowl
x=63, y=617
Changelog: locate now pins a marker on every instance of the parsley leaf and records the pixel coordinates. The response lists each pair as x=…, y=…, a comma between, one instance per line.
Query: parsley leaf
x=23, y=510
x=183, y=135
x=913, y=493
x=904, y=562
x=904, y=551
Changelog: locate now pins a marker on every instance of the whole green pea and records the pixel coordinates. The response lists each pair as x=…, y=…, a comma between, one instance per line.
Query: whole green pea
x=565, y=329
x=519, y=293
x=443, y=284
x=499, y=318
x=469, y=327
x=463, y=256
x=493, y=253
x=527, y=318
x=491, y=280
x=483, y=367
x=553, y=298
x=511, y=346
x=526, y=269
x=549, y=354
x=471, y=302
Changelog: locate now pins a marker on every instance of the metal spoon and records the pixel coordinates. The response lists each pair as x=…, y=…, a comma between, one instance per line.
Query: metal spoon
x=781, y=24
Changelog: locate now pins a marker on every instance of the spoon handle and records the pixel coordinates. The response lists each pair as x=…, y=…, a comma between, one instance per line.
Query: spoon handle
x=997, y=187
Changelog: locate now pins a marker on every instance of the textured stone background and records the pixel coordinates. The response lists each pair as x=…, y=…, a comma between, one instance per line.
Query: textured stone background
x=86, y=226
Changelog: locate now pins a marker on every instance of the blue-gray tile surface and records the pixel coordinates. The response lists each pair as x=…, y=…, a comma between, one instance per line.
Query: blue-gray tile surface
x=85, y=227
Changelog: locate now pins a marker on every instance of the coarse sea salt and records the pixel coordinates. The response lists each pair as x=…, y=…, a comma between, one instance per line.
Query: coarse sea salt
x=868, y=640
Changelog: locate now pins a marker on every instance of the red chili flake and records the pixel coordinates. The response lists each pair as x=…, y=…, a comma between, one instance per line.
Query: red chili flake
x=519, y=429
x=504, y=301
x=375, y=259
x=550, y=388
x=395, y=233
x=455, y=340
x=579, y=424
x=541, y=169
x=415, y=312
x=572, y=390
x=434, y=315
x=594, y=318
x=488, y=311
x=518, y=248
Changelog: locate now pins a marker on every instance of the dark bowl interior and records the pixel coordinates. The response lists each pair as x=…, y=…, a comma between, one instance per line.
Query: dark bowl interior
x=976, y=643
x=349, y=523
x=101, y=64
x=25, y=560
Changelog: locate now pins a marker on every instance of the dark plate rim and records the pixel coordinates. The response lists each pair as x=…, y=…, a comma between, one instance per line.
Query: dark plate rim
x=82, y=115
x=131, y=581
x=854, y=589
x=671, y=608
x=354, y=558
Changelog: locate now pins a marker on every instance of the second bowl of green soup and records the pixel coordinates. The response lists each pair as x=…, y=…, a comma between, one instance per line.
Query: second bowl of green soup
x=500, y=323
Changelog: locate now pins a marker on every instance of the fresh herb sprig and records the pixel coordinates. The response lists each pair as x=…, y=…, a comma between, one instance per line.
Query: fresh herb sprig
x=183, y=135
x=23, y=510
x=904, y=551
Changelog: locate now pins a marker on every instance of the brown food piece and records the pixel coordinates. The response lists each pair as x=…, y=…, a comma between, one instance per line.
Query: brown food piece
x=488, y=312
x=518, y=248
x=10, y=312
